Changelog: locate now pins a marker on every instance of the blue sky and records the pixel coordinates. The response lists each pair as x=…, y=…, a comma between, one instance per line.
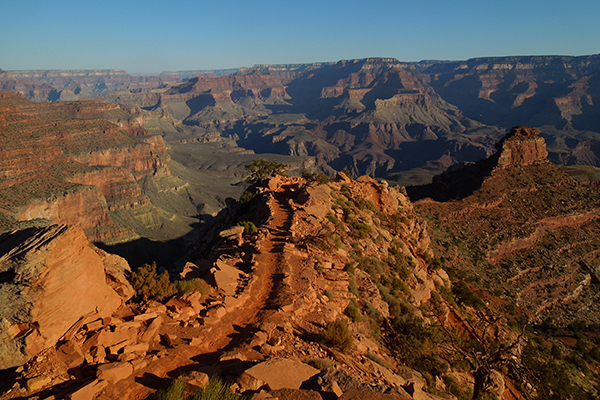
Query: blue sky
x=154, y=36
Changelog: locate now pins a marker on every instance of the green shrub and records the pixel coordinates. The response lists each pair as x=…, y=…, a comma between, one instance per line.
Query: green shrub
x=353, y=313
x=216, y=390
x=359, y=230
x=463, y=293
x=337, y=335
x=316, y=177
x=176, y=391
x=249, y=227
x=329, y=294
x=247, y=197
x=149, y=285
x=192, y=285
x=352, y=286
x=262, y=169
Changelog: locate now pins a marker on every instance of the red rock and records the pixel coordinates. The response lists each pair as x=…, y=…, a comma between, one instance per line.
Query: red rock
x=522, y=146
x=70, y=353
x=89, y=391
x=152, y=331
x=58, y=279
x=114, y=372
x=279, y=374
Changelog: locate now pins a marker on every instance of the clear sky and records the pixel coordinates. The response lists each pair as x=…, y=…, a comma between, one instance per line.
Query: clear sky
x=155, y=35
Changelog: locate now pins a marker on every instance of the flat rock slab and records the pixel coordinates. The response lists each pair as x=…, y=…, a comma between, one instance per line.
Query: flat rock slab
x=226, y=277
x=115, y=372
x=281, y=373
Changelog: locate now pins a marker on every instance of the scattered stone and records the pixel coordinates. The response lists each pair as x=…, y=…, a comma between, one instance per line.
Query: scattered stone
x=151, y=332
x=234, y=234
x=217, y=311
x=233, y=355
x=94, y=326
x=98, y=353
x=70, y=353
x=196, y=379
x=136, y=348
x=146, y=316
x=226, y=277
x=169, y=340
x=259, y=339
x=139, y=364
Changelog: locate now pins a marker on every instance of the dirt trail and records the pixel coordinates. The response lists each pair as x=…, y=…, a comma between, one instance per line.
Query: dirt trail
x=237, y=326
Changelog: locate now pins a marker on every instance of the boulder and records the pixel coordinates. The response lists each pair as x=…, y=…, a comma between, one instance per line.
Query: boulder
x=234, y=234
x=226, y=277
x=70, y=353
x=50, y=278
x=279, y=373
x=196, y=379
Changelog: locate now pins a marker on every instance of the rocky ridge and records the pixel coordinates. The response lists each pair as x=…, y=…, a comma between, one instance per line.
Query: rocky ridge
x=523, y=234
x=316, y=259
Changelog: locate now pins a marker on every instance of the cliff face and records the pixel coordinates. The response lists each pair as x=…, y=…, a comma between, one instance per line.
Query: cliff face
x=68, y=164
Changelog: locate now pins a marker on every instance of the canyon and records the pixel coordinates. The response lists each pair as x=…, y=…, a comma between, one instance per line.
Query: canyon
x=449, y=259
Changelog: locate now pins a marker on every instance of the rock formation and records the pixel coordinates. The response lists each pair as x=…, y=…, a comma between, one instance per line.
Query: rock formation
x=522, y=146
x=52, y=279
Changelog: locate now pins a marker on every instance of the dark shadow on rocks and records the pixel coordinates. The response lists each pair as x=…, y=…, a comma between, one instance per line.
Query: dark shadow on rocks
x=153, y=382
x=145, y=251
x=456, y=183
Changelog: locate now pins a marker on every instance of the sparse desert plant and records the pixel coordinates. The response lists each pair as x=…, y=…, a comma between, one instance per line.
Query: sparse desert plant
x=249, y=227
x=150, y=285
x=329, y=294
x=353, y=312
x=337, y=335
x=216, y=390
x=192, y=285
x=377, y=359
x=247, y=196
x=176, y=391
x=316, y=177
x=262, y=169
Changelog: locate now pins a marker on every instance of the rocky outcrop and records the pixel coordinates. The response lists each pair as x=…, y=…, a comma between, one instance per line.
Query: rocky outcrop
x=52, y=278
x=522, y=146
